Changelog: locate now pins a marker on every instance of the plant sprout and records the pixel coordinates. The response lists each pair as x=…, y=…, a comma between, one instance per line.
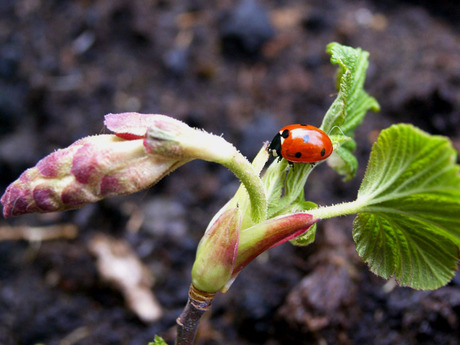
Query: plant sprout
x=407, y=207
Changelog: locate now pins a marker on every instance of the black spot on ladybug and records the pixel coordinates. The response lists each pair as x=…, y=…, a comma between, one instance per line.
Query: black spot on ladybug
x=323, y=152
x=303, y=124
x=306, y=138
x=285, y=133
x=298, y=155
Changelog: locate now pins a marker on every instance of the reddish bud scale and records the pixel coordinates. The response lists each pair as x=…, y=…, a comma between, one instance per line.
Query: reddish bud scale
x=216, y=252
x=271, y=233
x=131, y=126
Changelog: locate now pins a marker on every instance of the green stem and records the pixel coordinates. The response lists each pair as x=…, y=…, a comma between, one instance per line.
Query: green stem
x=174, y=139
x=247, y=174
x=342, y=209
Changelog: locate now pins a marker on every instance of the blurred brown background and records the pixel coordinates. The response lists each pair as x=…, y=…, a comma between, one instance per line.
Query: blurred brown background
x=243, y=69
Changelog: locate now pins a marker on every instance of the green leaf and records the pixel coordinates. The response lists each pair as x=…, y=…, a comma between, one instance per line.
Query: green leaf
x=158, y=341
x=351, y=105
x=309, y=236
x=306, y=238
x=409, y=226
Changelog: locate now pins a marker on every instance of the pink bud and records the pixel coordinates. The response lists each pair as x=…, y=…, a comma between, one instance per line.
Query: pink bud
x=216, y=252
x=87, y=171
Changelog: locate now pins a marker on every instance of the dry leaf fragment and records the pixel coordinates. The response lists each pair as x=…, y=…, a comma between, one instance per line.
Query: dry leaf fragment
x=119, y=265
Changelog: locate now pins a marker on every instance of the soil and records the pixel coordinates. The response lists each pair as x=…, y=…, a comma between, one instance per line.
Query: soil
x=64, y=64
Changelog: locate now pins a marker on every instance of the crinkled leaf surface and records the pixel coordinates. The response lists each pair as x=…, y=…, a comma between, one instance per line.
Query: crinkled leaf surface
x=410, y=224
x=351, y=105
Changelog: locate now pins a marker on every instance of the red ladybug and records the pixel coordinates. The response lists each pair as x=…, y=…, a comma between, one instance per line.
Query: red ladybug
x=301, y=144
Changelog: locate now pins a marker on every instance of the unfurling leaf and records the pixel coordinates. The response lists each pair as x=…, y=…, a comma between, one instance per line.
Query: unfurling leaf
x=351, y=105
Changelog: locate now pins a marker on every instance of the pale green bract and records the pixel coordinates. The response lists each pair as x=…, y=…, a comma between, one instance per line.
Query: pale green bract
x=349, y=108
x=409, y=224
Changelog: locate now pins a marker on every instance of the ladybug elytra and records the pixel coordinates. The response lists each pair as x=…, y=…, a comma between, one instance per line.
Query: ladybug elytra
x=300, y=143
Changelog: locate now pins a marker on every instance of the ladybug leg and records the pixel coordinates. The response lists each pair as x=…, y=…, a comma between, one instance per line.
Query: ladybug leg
x=290, y=167
x=312, y=165
x=286, y=173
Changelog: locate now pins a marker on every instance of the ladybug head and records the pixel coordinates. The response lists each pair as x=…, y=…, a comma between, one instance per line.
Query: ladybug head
x=275, y=146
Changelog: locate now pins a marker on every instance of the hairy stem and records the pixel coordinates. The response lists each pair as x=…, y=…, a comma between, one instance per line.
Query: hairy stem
x=175, y=139
x=248, y=175
x=337, y=210
x=198, y=303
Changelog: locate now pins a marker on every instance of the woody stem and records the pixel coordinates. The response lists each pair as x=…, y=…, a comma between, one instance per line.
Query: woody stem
x=198, y=303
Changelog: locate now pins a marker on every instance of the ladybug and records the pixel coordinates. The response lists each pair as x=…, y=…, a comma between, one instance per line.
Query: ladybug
x=301, y=144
